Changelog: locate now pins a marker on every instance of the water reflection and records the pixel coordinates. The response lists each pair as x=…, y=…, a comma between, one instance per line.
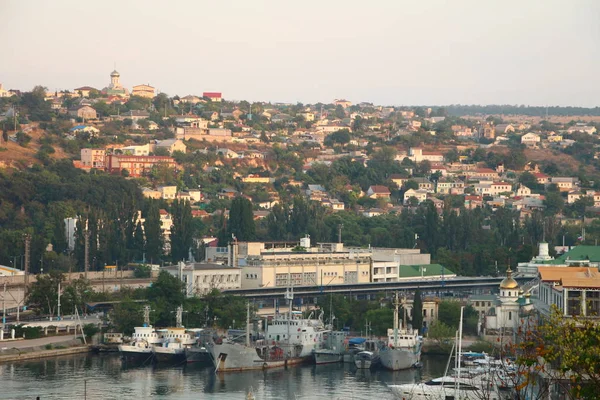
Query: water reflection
x=106, y=377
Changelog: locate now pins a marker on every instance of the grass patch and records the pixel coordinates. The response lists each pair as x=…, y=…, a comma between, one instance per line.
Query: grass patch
x=48, y=347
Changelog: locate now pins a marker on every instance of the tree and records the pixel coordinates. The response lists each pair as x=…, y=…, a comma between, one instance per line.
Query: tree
x=417, y=311
x=154, y=243
x=528, y=179
x=449, y=314
x=554, y=203
x=241, y=220
x=43, y=295
x=181, y=231
x=76, y=294
x=441, y=333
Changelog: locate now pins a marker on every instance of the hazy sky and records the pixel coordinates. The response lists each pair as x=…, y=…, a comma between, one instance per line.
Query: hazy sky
x=533, y=52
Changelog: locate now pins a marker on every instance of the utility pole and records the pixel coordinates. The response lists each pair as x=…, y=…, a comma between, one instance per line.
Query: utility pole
x=27, y=249
x=340, y=226
x=4, y=309
x=58, y=306
x=86, y=261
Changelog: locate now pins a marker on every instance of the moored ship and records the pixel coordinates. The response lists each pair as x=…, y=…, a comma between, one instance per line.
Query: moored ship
x=403, y=349
x=142, y=341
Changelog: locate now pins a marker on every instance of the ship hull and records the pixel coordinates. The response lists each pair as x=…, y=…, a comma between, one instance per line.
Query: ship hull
x=199, y=355
x=136, y=354
x=231, y=357
x=168, y=356
x=328, y=357
x=398, y=359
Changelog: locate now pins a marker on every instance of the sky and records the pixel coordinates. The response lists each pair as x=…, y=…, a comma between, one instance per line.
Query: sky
x=396, y=52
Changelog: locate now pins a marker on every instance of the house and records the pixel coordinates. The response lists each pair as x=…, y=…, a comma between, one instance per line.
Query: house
x=420, y=195
x=134, y=115
x=84, y=129
x=171, y=145
x=84, y=112
x=573, y=289
x=573, y=196
x=343, y=103
x=523, y=191
x=307, y=115
x=472, y=202
x=333, y=204
x=254, y=178
x=541, y=178
x=4, y=92
x=417, y=155
x=281, y=118
x=424, y=184
x=191, y=121
x=590, y=130
x=530, y=139
x=93, y=158
x=227, y=193
x=136, y=165
x=564, y=184
x=167, y=192
x=502, y=129
x=213, y=96
x=190, y=99
x=448, y=186
x=373, y=212
x=84, y=91
x=210, y=115
x=146, y=91
x=225, y=152
x=151, y=193
x=378, y=192
x=398, y=179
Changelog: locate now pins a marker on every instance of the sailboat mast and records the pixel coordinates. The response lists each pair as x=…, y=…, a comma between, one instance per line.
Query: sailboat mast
x=460, y=331
x=248, y=324
x=396, y=305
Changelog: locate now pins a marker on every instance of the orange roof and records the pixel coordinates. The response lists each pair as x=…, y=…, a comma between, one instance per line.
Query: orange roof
x=571, y=276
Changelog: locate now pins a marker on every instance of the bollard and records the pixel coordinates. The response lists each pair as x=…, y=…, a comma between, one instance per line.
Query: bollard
x=12, y=334
x=46, y=331
x=1, y=334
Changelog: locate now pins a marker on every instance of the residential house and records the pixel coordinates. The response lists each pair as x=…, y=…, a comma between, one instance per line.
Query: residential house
x=573, y=196
x=343, y=103
x=190, y=99
x=472, y=202
x=307, y=115
x=502, y=129
x=541, y=178
x=134, y=115
x=168, y=192
x=530, y=139
x=449, y=186
x=333, y=204
x=398, y=179
x=77, y=129
x=213, y=96
x=564, y=184
x=420, y=195
x=492, y=189
x=424, y=184
x=590, y=130
x=373, y=212
x=93, y=158
x=191, y=121
x=227, y=153
x=417, y=155
x=171, y=145
x=151, y=193
x=281, y=118
x=523, y=191
x=84, y=112
x=378, y=192
x=146, y=91
x=84, y=91
x=210, y=115
x=227, y=193
x=254, y=178
x=316, y=192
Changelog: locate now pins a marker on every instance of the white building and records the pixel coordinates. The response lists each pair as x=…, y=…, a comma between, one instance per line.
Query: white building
x=200, y=278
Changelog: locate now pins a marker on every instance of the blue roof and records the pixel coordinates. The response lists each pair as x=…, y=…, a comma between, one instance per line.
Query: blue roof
x=357, y=340
x=78, y=127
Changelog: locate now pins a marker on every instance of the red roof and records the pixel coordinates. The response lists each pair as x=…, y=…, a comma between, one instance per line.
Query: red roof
x=380, y=189
x=473, y=198
x=211, y=95
x=501, y=183
x=162, y=211
x=485, y=171
x=540, y=175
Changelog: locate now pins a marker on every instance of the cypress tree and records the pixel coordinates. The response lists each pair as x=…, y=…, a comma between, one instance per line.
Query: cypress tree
x=154, y=237
x=417, y=314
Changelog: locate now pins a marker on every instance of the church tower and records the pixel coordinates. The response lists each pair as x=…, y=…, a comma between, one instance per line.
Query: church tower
x=115, y=80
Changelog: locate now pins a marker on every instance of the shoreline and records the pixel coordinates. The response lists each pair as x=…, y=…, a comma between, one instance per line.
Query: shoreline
x=24, y=355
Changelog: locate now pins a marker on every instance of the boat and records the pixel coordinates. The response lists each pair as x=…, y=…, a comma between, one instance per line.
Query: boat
x=333, y=349
x=174, y=342
x=289, y=340
x=403, y=350
x=463, y=385
x=198, y=352
x=143, y=339
x=366, y=359
x=354, y=346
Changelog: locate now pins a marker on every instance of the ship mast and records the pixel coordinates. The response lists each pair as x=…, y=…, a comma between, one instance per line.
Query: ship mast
x=179, y=317
x=248, y=324
x=146, y=316
x=396, y=305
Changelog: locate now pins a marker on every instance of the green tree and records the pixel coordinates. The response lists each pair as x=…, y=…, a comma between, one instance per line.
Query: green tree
x=153, y=233
x=442, y=334
x=43, y=294
x=241, y=220
x=181, y=231
x=554, y=203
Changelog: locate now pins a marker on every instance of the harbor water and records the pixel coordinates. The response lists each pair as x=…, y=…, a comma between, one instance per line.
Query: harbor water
x=89, y=376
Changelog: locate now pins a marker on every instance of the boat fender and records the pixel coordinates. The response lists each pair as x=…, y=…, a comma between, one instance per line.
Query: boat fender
x=265, y=365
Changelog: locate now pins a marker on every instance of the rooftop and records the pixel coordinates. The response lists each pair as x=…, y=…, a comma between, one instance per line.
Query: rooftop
x=425, y=270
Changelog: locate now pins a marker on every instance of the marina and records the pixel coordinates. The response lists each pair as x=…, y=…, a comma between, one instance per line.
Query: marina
x=106, y=377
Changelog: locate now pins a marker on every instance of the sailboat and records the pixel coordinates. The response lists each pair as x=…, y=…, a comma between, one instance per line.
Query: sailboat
x=456, y=387
x=403, y=349
x=289, y=340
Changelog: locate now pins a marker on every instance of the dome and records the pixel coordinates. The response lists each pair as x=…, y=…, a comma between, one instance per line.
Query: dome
x=508, y=282
x=115, y=73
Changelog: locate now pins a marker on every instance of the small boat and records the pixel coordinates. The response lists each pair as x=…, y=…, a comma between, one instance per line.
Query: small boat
x=355, y=345
x=366, y=360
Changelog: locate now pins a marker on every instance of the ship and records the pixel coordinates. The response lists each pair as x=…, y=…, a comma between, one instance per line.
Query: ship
x=403, y=349
x=174, y=341
x=198, y=352
x=333, y=351
x=142, y=342
x=289, y=340
x=368, y=357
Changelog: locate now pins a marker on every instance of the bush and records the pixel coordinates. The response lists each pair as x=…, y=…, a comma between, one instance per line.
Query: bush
x=48, y=347
x=90, y=330
x=23, y=139
x=142, y=271
x=29, y=332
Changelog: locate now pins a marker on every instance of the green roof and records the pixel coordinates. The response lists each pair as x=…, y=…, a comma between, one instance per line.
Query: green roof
x=591, y=253
x=425, y=270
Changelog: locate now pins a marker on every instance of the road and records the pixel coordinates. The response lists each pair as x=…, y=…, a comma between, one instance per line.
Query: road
x=21, y=344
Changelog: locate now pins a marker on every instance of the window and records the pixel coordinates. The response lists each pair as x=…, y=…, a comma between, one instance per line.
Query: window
x=510, y=315
x=476, y=304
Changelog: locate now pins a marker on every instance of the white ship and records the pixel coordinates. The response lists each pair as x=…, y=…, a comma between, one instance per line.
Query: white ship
x=142, y=341
x=403, y=349
x=289, y=340
x=174, y=342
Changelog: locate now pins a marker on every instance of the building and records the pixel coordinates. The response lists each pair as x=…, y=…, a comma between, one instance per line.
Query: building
x=543, y=258
x=146, y=91
x=84, y=112
x=307, y=115
x=328, y=263
x=530, y=139
x=136, y=165
x=115, y=88
x=84, y=91
x=213, y=96
x=201, y=278
x=424, y=271
x=168, y=192
x=4, y=92
x=502, y=129
x=171, y=145
x=574, y=290
x=418, y=155
x=93, y=131
x=565, y=184
x=419, y=194
x=590, y=130
x=343, y=103
x=93, y=158
x=378, y=192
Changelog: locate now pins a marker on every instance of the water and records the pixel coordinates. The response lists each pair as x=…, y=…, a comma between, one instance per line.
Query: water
x=104, y=377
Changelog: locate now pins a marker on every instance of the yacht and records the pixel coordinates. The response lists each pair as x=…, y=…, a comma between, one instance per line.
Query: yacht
x=368, y=358
x=463, y=385
x=142, y=341
x=333, y=348
x=403, y=349
x=289, y=340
